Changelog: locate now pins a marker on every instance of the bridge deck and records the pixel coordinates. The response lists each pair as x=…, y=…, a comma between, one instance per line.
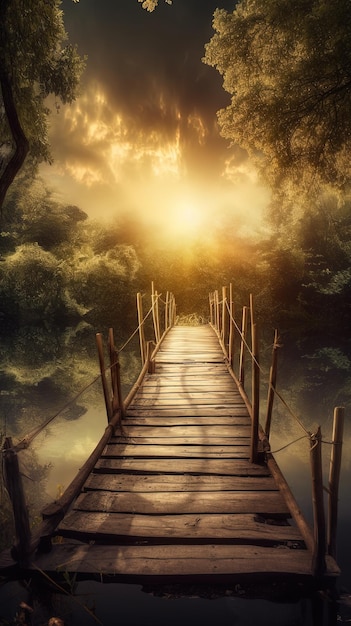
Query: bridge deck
x=174, y=497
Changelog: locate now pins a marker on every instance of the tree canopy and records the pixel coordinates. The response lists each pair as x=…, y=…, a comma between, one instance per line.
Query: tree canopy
x=34, y=62
x=287, y=67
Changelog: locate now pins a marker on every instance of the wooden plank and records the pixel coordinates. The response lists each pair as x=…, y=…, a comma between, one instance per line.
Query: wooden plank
x=144, y=562
x=231, y=528
x=176, y=482
x=171, y=378
x=176, y=452
x=181, y=441
x=182, y=466
x=210, y=431
x=195, y=410
x=187, y=402
x=194, y=368
x=163, y=419
x=267, y=502
x=187, y=394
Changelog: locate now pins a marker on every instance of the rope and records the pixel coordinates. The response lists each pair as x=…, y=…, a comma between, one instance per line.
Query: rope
x=27, y=440
x=139, y=325
x=289, y=444
x=296, y=418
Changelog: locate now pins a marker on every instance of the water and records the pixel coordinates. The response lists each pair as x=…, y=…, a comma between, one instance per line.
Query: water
x=42, y=368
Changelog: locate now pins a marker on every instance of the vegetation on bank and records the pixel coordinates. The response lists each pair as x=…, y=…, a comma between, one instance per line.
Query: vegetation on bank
x=57, y=265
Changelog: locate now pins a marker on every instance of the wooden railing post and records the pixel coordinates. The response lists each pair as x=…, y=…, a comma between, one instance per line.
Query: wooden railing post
x=14, y=486
x=231, y=328
x=318, y=558
x=115, y=369
x=174, y=310
x=272, y=384
x=255, y=396
x=167, y=311
x=224, y=318
x=334, y=477
x=108, y=403
x=151, y=363
x=216, y=310
x=242, y=347
x=141, y=328
x=210, y=300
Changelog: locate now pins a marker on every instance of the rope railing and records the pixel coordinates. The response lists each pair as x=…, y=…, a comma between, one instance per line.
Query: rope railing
x=26, y=543
x=25, y=441
x=223, y=321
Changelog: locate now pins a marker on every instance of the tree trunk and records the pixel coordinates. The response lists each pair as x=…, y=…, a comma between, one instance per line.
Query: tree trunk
x=21, y=142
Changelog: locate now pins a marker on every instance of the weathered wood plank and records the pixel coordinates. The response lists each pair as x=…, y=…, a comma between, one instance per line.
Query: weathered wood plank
x=187, y=402
x=231, y=528
x=197, y=383
x=176, y=482
x=176, y=452
x=194, y=368
x=145, y=562
x=227, y=397
x=267, y=502
x=180, y=441
x=205, y=431
x=225, y=467
x=182, y=411
x=162, y=419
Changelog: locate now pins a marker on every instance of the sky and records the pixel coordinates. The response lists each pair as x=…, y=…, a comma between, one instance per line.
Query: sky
x=142, y=138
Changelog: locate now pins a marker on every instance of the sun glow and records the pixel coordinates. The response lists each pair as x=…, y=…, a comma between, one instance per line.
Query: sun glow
x=187, y=219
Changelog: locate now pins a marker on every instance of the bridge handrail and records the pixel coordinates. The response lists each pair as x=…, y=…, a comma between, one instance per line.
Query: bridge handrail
x=223, y=322
x=115, y=405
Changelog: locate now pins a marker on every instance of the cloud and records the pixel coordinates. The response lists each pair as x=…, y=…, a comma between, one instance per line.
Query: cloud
x=95, y=143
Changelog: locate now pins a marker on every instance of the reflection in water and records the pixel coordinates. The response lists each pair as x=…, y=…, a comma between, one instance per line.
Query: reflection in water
x=42, y=368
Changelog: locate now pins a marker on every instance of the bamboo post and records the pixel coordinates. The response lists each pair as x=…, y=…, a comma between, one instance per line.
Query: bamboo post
x=252, y=321
x=151, y=364
x=113, y=371
x=108, y=404
x=255, y=396
x=167, y=311
x=157, y=316
x=242, y=347
x=318, y=558
x=174, y=310
x=272, y=384
x=141, y=328
x=153, y=305
x=215, y=307
x=224, y=317
x=210, y=299
x=116, y=385
x=231, y=328
x=334, y=477
x=14, y=486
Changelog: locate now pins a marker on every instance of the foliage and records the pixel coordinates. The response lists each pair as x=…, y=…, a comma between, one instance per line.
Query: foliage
x=150, y=5
x=287, y=67
x=34, y=63
x=34, y=278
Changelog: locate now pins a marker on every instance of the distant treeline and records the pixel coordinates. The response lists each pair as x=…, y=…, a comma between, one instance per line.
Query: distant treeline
x=59, y=265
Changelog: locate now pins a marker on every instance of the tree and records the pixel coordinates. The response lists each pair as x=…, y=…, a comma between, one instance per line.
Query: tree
x=33, y=64
x=287, y=67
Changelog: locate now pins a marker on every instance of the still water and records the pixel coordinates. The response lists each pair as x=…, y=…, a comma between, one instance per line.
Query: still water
x=42, y=368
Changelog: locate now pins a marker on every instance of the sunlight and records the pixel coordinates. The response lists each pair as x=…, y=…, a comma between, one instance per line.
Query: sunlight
x=186, y=220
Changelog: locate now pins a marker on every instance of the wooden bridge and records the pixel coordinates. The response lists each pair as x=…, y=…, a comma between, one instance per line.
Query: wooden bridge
x=182, y=486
